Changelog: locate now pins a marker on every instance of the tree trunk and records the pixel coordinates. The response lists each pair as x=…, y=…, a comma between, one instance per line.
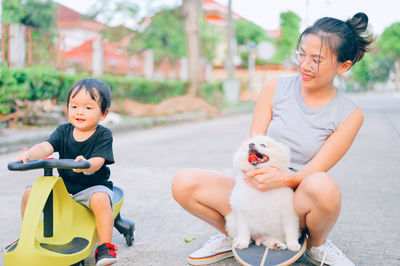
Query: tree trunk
x=190, y=13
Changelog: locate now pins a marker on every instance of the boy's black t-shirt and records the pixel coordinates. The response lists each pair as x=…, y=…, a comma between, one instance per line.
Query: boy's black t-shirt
x=97, y=145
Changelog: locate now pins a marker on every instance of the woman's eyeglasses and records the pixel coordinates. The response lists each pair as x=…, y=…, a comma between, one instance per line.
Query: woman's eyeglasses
x=313, y=63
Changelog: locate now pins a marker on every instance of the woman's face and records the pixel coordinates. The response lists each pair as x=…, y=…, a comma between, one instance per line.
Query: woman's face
x=318, y=65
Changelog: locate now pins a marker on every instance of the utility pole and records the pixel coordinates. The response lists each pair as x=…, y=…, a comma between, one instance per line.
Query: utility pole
x=307, y=14
x=230, y=86
x=229, y=58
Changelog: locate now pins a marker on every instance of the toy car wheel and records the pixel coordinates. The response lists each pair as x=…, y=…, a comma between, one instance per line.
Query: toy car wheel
x=129, y=239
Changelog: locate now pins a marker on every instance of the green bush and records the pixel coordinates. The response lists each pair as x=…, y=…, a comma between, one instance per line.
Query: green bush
x=144, y=90
x=40, y=83
x=43, y=83
x=12, y=86
x=212, y=93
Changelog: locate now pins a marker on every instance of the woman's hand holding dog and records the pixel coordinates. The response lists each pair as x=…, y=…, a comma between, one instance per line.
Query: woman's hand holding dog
x=268, y=178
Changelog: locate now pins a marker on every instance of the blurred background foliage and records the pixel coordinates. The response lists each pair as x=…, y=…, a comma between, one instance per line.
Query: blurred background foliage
x=286, y=43
x=34, y=13
x=166, y=36
x=41, y=83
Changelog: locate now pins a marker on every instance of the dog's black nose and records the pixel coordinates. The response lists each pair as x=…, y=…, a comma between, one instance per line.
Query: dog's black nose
x=252, y=145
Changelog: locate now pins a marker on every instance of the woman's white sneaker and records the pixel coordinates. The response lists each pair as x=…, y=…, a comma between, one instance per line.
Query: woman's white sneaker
x=328, y=254
x=217, y=248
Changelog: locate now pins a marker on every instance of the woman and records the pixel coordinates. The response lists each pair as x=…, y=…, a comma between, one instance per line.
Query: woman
x=316, y=120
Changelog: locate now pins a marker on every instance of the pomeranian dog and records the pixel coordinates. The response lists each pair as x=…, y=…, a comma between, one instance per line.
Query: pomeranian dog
x=267, y=217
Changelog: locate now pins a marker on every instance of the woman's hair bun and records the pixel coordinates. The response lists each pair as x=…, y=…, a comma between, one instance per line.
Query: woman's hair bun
x=359, y=22
x=363, y=38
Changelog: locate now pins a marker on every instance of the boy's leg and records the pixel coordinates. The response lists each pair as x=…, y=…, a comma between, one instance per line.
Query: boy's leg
x=25, y=200
x=102, y=209
x=99, y=200
x=100, y=203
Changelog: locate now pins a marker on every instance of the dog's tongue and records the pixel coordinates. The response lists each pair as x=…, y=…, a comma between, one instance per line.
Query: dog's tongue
x=253, y=158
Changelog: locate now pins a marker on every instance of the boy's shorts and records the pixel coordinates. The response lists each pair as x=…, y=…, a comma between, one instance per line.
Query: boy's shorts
x=83, y=197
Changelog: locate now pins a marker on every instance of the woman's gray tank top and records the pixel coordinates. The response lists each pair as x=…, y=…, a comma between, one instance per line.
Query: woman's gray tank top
x=304, y=130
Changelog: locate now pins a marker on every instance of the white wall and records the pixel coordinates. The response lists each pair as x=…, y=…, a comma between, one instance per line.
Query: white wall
x=74, y=37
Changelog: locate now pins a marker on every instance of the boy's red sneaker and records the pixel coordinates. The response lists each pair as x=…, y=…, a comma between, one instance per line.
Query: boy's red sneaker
x=105, y=254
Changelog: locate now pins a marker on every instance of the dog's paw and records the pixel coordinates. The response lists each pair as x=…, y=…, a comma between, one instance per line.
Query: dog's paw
x=274, y=244
x=293, y=246
x=241, y=244
x=259, y=240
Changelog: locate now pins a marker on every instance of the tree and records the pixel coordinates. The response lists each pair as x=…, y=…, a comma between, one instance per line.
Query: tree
x=13, y=11
x=166, y=34
x=171, y=32
x=389, y=42
x=247, y=31
x=112, y=11
x=190, y=9
x=360, y=71
x=249, y=34
x=210, y=36
x=34, y=13
x=39, y=14
x=286, y=43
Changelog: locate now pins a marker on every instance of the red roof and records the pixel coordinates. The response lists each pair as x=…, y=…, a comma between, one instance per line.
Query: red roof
x=67, y=14
x=216, y=13
x=68, y=18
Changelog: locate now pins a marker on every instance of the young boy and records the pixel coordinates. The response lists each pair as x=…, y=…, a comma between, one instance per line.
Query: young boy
x=84, y=139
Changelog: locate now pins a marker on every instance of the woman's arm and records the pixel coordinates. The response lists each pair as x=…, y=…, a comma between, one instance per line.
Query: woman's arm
x=334, y=148
x=263, y=111
x=328, y=155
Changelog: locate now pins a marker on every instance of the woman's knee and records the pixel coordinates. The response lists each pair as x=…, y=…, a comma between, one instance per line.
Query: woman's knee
x=184, y=182
x=323, y=191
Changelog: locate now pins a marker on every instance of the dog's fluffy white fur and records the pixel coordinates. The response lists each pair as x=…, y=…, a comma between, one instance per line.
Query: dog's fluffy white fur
x=267, y=217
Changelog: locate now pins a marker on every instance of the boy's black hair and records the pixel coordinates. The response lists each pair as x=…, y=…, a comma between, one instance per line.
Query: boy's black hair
x=98, y=91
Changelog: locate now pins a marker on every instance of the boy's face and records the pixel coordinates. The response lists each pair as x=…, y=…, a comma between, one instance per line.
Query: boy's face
x=84, y=113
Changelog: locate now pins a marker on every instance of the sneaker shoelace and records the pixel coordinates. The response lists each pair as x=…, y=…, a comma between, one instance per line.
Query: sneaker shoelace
x=330, y=248
x=214, y=241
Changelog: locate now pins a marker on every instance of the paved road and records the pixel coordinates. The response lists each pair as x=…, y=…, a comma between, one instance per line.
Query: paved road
x=368, y=229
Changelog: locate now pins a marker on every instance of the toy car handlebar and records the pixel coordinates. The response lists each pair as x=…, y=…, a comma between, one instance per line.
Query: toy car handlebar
x=48, y=163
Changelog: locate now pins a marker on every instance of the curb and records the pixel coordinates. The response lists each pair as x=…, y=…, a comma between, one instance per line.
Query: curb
x=25, y=138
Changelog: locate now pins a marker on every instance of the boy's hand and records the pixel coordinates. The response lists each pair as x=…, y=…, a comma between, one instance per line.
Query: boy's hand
x=24, y=157
x=77, y=159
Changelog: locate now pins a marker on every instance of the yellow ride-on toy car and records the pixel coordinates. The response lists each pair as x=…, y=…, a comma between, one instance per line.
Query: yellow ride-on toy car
x=55, y=229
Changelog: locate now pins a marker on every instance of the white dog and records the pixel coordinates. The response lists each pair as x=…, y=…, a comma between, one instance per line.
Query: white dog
x=267, y=217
